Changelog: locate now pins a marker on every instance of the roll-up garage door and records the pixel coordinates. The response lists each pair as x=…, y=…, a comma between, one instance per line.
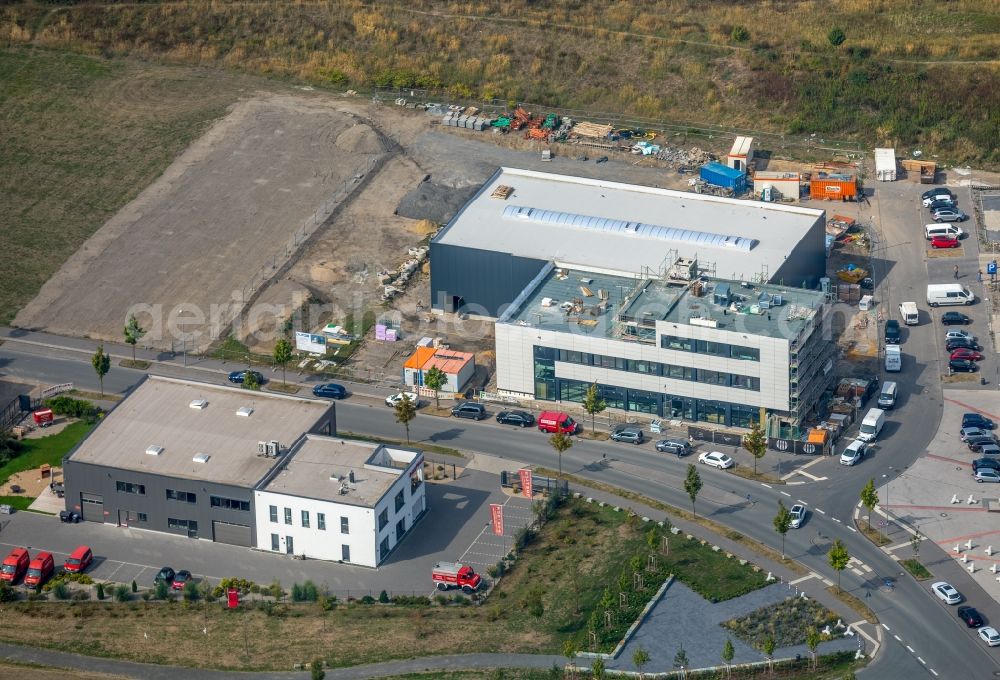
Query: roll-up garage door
x=234, y=534
x=92, y=507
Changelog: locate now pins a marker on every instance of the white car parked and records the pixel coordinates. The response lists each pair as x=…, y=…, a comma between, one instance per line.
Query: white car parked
x=716, y=459
x=854, y=452
x=394, y=399
x=990, y=636
x=946, y=592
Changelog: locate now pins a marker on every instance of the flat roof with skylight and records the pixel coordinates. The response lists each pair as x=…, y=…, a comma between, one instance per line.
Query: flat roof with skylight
x=625, y=227
x=341, y=471
x=200, y=431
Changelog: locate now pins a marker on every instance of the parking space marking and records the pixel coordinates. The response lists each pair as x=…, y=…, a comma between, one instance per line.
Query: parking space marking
x=852, y=529
x=836, y=519
x=897, y=639
x=799, y=500
x=785, y=493
x=910, y=649
x=766, y=486
x=885, y=626
x=922, y=662
x=857, y=571
x=822, y=512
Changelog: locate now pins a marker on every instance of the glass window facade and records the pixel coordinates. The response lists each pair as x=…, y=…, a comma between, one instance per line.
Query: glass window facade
x=715, y=349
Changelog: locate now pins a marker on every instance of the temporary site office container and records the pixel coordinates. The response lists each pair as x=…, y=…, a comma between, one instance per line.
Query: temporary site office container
x=833, y=186
x=723, y=176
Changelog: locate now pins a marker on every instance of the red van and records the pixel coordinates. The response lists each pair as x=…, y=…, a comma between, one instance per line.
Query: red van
x=79, y=560
x=557, y=421
x=14, y=565
x=40, y=570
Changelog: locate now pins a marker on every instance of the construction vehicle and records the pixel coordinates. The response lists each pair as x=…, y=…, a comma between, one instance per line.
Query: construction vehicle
x=446, y=575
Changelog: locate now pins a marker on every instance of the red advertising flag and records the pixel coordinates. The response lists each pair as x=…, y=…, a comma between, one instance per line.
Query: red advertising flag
x=496, y=510
x=526, y=487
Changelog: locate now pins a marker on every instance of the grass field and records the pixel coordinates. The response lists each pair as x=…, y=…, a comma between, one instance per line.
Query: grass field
x=81, y=136
x=909, y=74
x=51, y=449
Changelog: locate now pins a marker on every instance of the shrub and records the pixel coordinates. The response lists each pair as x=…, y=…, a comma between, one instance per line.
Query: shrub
x=316, y=670
x=740, y=34
x=160, y=592
x=191, y=593
x=135, y=586
x=75, y=408
x=122, y=593
x=327, y=602
x=383, y=597
x=441, y=599
x=61, y=591
x=80, y=595
x=100, y=590
x=836, y=36
x=275, y=591
x=367, y=599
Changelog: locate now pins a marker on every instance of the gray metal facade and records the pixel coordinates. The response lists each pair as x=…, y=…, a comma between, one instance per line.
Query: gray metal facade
x=479, y=282
x=806, y=264
x=161, y=502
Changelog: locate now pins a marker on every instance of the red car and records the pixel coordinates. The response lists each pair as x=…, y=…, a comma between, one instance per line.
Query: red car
x=181, y=579
x=944, y=242
x=964, y=353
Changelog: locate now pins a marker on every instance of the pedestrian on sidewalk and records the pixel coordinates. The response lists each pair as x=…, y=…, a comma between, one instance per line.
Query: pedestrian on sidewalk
x=979, y=276
x=956, y=271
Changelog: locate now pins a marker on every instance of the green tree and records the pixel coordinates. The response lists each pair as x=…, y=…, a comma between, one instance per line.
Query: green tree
x=569, y=651
x=593, y=404
x=756, y=443
x=316, y=671
x=640, y=657
x=681, y=661
x=161, y=591
x=728, y=652
x=768, y=648
x=838, y=558
x=282, y=355
x=740, y=34
x=135, y=586
x=782, y=523
x=406, y=411
x=133, y=333
x=836, y=36
x=561, y=442
x=692, y=484
x=813, y=639
x=597, y=669
x=915, y=543
x=100, y=591
x=435, y=379
x=869, y=499
x=102, y=364
x=250, y=381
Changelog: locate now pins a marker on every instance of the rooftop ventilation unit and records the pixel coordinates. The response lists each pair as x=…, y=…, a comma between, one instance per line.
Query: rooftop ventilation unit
x=273, y=448
x=244, y=411
x=198, y=404
x=350, y=477
x=154, y=450
x=262, y=448
x=201, y=458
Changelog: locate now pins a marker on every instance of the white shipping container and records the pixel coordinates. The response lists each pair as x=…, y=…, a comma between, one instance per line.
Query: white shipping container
x=885, y=165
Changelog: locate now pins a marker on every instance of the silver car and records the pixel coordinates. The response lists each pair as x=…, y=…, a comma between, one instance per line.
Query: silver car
x=949, y=215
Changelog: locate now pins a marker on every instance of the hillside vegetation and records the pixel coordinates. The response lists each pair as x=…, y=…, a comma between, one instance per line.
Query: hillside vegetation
x=910, y=74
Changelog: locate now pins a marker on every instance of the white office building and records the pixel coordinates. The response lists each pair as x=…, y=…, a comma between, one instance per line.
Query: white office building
x=341, y=500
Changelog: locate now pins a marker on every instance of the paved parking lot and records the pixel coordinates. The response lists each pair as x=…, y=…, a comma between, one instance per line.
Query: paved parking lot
x=922, y=495
x=452, y=530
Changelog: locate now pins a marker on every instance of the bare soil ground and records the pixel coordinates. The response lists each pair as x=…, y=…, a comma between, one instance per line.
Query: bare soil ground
x=224, y=211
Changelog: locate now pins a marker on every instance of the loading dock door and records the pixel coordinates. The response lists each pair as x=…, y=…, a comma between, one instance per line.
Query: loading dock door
x=92, y=507
x=233, y=534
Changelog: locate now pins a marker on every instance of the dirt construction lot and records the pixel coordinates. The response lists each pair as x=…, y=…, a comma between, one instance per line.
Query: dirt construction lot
x=225, y=210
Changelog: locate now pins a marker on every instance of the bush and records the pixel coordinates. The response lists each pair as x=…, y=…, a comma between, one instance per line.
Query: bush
x=135, y=586
x=383, y=597
x=316, y=670
x=61, y=591
x=122, y=593
x=74, y=408
x=411, y=600
x=740, y=34
x=100, y=591
x=836, y=36
x=275, y=591
x=367, y=599
x=327, y=602
x=160, y=592
x=80, y=596
x=441, y=599
x=191, y=593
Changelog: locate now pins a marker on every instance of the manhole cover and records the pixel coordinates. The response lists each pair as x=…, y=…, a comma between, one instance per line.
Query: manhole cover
x=944, y=514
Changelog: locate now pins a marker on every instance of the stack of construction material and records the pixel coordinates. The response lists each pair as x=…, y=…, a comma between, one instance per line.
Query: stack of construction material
x=460, y=120
x=585, y=129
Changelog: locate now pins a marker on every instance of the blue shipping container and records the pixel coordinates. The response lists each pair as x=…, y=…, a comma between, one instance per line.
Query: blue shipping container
x=724, y=176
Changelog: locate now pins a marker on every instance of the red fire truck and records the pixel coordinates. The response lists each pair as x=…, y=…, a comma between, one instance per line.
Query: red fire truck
x=454, y=575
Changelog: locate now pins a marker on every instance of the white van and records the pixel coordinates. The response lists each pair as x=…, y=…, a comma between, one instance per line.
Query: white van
x=948, y=230
x=893, y=359
x=872, y=425
x=908, y=310
x=949, y=294
x=887, y=397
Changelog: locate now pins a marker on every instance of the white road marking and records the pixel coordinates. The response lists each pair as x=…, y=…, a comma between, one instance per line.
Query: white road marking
x=804, y=578
x=897, y=638
x=820, y=511
x=885, y=626
x=837, y=520
x=799, y=500
x=908, y=647
x=785, y=493
x=922, y=662
x=858, y=572
x=853, y=529
x=933, y=671
x=768, y=486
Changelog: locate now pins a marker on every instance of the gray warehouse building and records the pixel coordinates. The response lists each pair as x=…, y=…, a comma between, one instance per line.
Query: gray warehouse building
x=521, y=221
x=184, y=457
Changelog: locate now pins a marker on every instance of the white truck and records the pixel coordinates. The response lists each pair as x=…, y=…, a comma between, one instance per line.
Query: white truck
x=893, y=359
x=949, y=294
x=908, y=311
x=885, y=165
x=872, y=425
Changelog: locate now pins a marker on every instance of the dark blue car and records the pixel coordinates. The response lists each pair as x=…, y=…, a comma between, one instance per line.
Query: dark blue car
x=330, y=391
x=237, y=377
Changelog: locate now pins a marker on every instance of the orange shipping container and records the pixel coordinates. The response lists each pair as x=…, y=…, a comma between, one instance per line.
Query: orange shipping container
x=833, y=189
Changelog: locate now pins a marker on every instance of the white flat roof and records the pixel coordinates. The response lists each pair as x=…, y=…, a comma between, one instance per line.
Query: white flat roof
x=157, y=429
x=566, y=219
